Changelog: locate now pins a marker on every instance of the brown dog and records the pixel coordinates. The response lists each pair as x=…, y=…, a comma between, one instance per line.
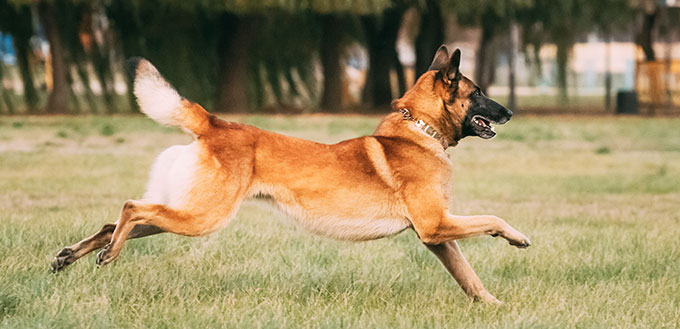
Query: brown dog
x=360, y=189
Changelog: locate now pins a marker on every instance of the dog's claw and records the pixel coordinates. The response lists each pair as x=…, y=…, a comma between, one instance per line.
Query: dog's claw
x=524, y=243
x=104, y=256
x=516, y=238
x=61, y=260
x=100, y=257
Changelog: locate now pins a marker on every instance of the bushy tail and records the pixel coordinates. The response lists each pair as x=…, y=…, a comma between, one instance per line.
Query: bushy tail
x=161, y=102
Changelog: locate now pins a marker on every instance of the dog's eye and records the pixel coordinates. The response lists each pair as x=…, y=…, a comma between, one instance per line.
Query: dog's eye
x=477, y=92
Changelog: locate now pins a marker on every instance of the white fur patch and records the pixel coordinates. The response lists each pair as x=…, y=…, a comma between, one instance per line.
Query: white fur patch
x=172, y=176
x=156, y=98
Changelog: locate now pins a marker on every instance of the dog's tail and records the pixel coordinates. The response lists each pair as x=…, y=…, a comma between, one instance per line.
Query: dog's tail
x=161, y=102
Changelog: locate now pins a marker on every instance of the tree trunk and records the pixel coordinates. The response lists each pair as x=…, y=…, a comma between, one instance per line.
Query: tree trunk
x=234, y=53
x=430, y=36
x=58, y=98
x=513, y=38
x=669, y=58
x=17, y=21
x=84, y=77
x=381, y=39
x=331, y=99
x=399, y=70
x=562, y=58
x=100, y=53
x=6, y=98
x=22, y=47
x=485, y=64
x=100, y=61
x=74, y=103
x=608, y=73
x=377, y=89
x=645, y=37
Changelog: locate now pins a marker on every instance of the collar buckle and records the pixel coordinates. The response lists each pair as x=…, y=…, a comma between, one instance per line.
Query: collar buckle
x=406, y=113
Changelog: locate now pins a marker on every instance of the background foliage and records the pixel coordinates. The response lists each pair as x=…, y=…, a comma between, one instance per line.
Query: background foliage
x=280, y=55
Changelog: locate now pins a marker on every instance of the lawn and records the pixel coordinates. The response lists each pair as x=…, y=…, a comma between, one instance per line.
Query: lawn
x=598, y=196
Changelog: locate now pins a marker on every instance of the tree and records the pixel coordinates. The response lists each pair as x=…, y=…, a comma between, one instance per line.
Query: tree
x=610, y=16
x=381, y=36
x=228, y=39
x=331, y=99
x=15, y=18
x=562, y=22
x=648, y=10
x=493, y=17
x=59, y=95
x=234, y=48
x=287, y=70
x=430, y=35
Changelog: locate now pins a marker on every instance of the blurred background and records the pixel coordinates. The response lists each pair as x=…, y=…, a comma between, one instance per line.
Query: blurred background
x=340, y=56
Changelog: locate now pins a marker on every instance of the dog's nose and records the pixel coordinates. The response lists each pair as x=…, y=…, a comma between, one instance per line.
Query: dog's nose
x=509, y=112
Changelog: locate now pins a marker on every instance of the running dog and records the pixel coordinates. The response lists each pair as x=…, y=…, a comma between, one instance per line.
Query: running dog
x=359, y=189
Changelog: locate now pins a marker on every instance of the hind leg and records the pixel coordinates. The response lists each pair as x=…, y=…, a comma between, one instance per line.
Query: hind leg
x=98, y=240
x=136, y=213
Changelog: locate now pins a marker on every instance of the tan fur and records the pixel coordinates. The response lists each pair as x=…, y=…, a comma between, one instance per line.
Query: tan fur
x=358, y=189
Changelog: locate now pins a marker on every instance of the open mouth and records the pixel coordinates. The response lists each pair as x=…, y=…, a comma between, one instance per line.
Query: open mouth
x=482, y=126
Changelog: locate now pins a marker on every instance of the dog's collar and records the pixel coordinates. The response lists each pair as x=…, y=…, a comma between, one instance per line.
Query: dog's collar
x=429, y=130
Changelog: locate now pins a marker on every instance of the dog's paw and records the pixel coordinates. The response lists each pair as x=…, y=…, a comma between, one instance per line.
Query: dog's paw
x=486, y=298
x=524, y=243
x=63, y=259
x=517, y=239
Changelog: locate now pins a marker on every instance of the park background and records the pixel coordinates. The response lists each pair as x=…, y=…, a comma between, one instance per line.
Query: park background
x=67, y=57
x=596, y=192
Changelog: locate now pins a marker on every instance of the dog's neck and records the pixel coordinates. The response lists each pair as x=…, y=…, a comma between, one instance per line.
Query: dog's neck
x=394, y=125
x=424, y=105
x=428, y=129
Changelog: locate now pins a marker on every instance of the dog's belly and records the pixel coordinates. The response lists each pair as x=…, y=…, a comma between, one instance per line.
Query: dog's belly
x=344, y=216
x=337, y=224
x=355, y=229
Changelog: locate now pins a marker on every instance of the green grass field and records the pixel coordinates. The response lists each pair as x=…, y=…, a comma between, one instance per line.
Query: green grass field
x=598, y=196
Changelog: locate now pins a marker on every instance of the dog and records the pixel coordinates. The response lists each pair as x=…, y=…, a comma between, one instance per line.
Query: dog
x=359, y=189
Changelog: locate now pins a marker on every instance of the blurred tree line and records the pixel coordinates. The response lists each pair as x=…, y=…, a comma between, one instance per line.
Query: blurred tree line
x=251, y=55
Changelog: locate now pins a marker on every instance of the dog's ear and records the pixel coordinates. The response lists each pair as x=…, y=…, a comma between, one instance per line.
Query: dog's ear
x=452, y=72
x=447, y=66
x=441, y=59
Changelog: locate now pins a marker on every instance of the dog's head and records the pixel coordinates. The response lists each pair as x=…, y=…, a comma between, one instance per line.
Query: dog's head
x=465, y=107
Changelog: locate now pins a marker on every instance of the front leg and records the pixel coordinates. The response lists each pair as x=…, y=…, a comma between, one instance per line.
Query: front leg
x=427, y=209
x=453, y=260
x=438, y=230
x=450, y=227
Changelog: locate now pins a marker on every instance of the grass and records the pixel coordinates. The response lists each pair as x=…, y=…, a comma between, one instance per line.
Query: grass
x=598, y=196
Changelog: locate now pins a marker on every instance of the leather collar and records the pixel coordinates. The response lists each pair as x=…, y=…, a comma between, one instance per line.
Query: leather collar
x=424, y=126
